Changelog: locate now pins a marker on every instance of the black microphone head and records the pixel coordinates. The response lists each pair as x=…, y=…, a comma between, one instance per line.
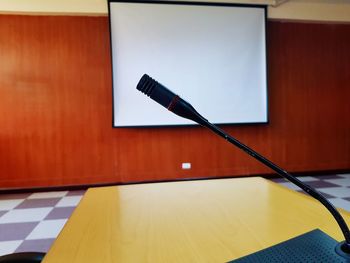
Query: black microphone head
x=168, y=99
x=156, y=91
x=146, y=84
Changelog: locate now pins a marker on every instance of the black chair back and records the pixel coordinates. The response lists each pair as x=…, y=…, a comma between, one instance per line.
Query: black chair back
x=23, y=257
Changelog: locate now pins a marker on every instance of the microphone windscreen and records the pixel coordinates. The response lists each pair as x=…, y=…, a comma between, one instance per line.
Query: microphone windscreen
x=155, y=91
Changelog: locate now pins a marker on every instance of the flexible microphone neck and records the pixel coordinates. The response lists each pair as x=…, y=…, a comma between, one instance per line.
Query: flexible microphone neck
x=174, y=103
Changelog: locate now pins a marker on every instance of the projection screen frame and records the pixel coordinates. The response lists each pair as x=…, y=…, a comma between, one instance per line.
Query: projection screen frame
x=190, y=3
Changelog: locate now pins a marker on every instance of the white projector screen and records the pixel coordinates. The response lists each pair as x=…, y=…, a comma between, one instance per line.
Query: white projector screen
x=211, y=55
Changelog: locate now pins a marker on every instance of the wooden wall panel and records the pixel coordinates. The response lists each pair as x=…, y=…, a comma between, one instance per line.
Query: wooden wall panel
x=56, y=109
x=54, y=101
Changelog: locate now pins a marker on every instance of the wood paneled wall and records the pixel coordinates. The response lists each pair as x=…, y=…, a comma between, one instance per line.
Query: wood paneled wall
x=56, y=109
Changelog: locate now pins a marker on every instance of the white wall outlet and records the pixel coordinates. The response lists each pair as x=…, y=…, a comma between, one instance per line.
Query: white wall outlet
x=186, y=166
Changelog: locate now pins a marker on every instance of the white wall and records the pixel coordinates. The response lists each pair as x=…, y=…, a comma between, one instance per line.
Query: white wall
x=73, y=7
x=317, y=10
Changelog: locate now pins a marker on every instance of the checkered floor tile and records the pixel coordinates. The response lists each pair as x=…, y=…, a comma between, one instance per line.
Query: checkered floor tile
x=32, y=221
x=336, y=188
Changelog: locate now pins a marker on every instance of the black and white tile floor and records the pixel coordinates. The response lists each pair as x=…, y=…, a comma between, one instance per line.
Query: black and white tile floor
x=32, y=221
x=336, y=188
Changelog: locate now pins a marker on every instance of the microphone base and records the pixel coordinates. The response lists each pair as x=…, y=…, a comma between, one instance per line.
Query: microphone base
x=314, y=246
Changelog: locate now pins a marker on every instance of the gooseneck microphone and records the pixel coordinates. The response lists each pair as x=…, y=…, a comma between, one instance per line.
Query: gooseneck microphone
x=168, y=99
x=174, y=103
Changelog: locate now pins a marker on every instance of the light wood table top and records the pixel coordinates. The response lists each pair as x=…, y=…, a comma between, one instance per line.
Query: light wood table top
x=191, y=221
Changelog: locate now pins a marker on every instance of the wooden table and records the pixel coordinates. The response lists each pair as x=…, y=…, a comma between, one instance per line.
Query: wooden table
x=191, y=221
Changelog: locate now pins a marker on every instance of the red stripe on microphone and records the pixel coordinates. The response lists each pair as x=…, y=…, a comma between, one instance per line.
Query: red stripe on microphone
x=173, y=103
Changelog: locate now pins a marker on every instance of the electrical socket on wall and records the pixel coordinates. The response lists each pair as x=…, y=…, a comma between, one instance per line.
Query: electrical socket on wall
x=186, y=166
